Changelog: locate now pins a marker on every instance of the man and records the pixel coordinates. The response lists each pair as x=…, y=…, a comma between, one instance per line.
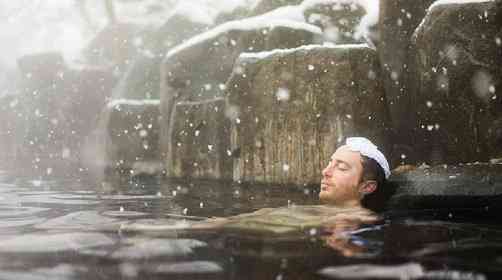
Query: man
x=354, y=177
x=350, y=184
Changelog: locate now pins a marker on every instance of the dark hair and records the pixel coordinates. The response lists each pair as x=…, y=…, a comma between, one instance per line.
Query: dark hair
x=373, y=171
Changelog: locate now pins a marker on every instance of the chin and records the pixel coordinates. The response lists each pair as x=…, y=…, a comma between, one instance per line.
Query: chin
x=324, y=197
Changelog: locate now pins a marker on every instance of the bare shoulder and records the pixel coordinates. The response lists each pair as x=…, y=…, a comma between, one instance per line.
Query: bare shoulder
x=359, y=214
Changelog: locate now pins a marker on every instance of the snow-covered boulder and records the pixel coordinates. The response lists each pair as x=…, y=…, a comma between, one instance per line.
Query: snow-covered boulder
x=458, y=79
x=290, y=108
x=208, y=58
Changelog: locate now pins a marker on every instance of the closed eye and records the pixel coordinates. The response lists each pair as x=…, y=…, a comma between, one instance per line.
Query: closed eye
x=342, y=166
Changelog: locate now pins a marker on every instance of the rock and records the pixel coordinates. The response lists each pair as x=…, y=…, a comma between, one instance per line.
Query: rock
x=200, y=142
x=133, y=129
x=290, y=108
x=207, y=59
x=458, y=56
x=397, y=21
x=56, y=109
x=141, y=81
x=277, y=37
x=37, y=70
x=342, y=21
x=113, y=46
x=476, y=185
x=137, y=92
x=196, y=71
x=174, y=31
x=264, y=6
x=9, y=127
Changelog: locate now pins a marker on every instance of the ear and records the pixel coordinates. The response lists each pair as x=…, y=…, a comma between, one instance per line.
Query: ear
x=368, y=187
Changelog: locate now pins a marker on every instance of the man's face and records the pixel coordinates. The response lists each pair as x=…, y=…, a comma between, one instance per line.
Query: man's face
x=341, y=179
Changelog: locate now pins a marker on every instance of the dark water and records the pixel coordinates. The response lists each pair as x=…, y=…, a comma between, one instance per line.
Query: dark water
x=71, y=229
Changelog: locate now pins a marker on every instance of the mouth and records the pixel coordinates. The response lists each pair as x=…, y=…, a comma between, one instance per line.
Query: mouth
x=325, y=186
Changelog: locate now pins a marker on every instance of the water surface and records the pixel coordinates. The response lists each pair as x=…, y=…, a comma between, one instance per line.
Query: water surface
x=71, y=229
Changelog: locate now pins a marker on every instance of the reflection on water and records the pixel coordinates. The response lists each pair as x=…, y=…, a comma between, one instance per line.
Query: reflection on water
x=63, y=229
x=53, y=242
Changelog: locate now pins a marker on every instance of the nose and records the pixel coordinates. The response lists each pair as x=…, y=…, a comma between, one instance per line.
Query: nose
x=326, y=172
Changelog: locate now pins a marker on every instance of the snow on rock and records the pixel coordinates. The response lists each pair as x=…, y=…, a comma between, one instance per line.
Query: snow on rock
x=132, y=102
x=244, y=25
x=449, y=2
x=287, y=16
x=264, y=54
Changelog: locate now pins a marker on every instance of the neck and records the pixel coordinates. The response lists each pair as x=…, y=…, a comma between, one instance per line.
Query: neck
x=346, y=204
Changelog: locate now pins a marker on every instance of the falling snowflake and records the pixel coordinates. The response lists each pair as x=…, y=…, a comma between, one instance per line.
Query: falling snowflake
x=285, y=167
x=282, y=94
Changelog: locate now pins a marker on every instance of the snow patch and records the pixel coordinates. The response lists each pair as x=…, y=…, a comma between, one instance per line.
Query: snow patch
x=449, y=2
x=133, y=102
x=265, y=54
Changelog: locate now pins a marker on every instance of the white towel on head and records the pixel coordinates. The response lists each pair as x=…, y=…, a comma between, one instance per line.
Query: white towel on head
x=367, y=148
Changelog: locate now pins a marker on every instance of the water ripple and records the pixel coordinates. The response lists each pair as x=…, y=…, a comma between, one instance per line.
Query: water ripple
x=56, y=242
x=148, y=248
x=82, y=220
x=194, y=267
x=10, y=212
x=125, y=214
